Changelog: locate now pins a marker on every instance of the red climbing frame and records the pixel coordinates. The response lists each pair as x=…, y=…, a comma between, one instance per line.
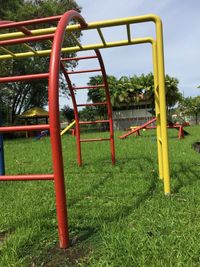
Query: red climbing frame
x=54, y=125
x=75, y=105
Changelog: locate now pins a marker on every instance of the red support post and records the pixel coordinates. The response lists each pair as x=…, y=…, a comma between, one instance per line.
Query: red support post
x=78, y=144
x=112, y=143
x=55, y=124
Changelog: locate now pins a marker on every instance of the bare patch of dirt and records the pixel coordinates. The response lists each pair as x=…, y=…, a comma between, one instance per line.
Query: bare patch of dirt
x=196, y=146
x=3, y=236
x=71, y=256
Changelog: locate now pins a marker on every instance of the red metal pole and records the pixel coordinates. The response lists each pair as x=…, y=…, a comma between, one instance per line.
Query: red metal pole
x=8, y=24
x=78, y=143
x=24, y=78
x=26, y=177
x=77, y=58
x=24, y=128
x=83, y=71
x=27, y=39
x=112, y=143
x=55, y=124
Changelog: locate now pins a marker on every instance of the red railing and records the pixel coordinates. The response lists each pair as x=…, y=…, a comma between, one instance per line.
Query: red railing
x=53, y=94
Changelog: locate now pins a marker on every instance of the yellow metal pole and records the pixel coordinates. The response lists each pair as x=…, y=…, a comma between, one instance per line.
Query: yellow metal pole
x=77, y=48
x=157, y=109
x=163, y=115
x=67, y=128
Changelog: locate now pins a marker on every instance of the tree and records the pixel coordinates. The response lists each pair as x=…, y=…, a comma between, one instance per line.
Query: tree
x=130, y=90
x=18, y=97
x=191, y=106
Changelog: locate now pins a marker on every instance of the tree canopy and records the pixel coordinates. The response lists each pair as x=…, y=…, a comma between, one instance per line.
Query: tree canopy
x=127, y=91
x=17, y=97
x=191, y=106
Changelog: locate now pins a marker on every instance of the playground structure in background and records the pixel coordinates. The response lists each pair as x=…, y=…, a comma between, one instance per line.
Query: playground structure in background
x=54, y=36
x=68, y=127
x=145, y=126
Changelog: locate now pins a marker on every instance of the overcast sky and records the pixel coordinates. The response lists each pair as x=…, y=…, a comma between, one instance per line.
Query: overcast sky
x=181, y=25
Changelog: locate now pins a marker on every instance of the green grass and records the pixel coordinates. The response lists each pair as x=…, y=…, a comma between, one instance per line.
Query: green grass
x=118, y=216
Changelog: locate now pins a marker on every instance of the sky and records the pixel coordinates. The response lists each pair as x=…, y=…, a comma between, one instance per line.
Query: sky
x=181, y=26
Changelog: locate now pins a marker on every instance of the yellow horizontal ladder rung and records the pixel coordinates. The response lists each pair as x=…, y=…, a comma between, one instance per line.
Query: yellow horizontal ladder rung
x=30, y=48
x=75, y=39
x=128, y=32
x=7, y=51
x=101, y=36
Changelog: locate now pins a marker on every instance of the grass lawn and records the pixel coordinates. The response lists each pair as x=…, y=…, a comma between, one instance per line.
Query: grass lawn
x=118, y=216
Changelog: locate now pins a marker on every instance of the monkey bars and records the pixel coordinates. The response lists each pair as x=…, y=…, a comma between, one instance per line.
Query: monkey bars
x=54, y=36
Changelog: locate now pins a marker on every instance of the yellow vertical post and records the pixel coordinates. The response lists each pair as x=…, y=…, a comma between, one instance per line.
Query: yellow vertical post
x=163, y=115
x=157, y=109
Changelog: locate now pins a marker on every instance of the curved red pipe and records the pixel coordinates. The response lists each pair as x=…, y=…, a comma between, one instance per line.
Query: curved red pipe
x=103, y=70
x=78, y=143
x=55, y=123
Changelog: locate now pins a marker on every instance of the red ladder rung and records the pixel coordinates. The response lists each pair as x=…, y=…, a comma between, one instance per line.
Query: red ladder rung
x=78, y=58
x=89, y=87
x=83, y=71
x=28, y=177
x=92, y=104
x=94, y=139
x=24, y=128
x=24, y=78
x=93, y=122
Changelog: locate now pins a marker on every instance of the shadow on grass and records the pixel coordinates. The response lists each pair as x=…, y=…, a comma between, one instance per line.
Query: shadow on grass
x=83, y=235
x=184, y=176
x=122, y=212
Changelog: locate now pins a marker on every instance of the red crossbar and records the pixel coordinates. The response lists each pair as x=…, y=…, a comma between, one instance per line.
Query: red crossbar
x=77, y=58
x=27, y=39
x=30, y=22
x=92, y=104
x=82, y=71
x=25, y=128
x=94, y=139
x=29, y=177
x=89, y=87
x=24, y=78
x=93, y=122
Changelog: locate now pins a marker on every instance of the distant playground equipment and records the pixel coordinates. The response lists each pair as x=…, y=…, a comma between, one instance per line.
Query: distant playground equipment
x=145, y=126
x=55, y=36
x=42, y=134
x=68, y=127
x=34, y=115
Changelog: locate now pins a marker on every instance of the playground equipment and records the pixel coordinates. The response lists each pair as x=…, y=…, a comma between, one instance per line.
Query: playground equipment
x=67, y=128
x=55, y=35
x=136, y=130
